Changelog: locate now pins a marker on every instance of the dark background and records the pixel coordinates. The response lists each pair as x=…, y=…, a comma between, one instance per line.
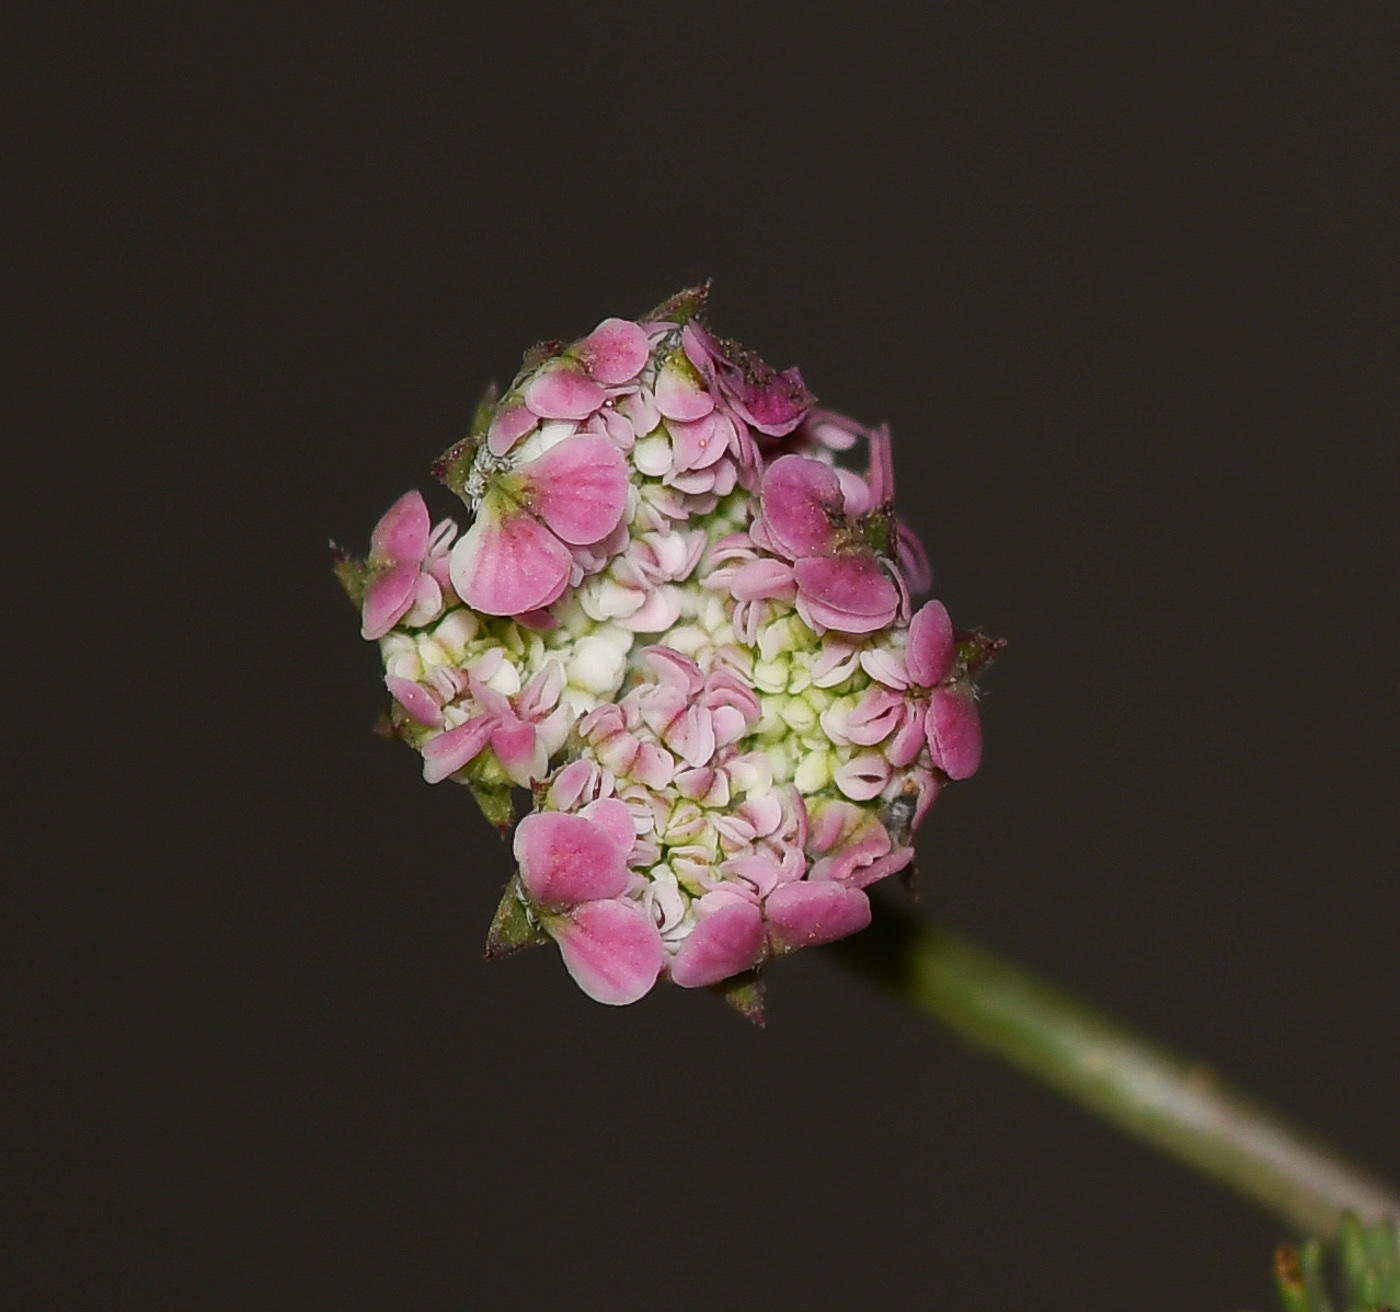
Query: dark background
x=1124, y=284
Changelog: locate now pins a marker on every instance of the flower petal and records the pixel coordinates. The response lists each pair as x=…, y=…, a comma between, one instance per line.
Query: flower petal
x=757, y=580
x=507, y=562
x=913, y=560
x=697, y=445
x=416, y=700
x=930, y=652
x=802, y=914
x=847, y=593
x=612, y=950
x=402, y=535
x=508, y=427
x=615, y=820
x=680, y=392
x=566, y=859
x=517, y=747
x=562, y=393
x=724, y=943
x=802, y=502
x=388, y=598
x=954, y=731
x=450, y=751
x=614, y=352
x=862, y=777
x=579, y=488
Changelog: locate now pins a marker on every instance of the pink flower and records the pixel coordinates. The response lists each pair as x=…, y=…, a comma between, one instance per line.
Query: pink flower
x=525, y=735
x=803, y=913
x=851, y=846
x=515, y=557
x=840, y=581
x=575, y=384
x=574, y=867
x=774, y=403
x=727, y=940
x=952, y=724
x=954, y=731
x=406, y=563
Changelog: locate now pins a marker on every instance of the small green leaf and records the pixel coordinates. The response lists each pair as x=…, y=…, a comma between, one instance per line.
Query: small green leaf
x=496, y=804
x=352, y=573
x=680, y=308
x=454, y=466
x=745, y=994
x=513, y=928
x=1367, y=1261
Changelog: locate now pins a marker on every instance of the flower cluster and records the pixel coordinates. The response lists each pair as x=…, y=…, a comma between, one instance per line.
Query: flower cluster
x=688, y=631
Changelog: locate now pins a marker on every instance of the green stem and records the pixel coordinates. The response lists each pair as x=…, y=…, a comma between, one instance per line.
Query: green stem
x=1176, y=1105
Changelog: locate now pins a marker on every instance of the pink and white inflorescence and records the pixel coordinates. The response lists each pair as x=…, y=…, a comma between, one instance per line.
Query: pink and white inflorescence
x=688, y=631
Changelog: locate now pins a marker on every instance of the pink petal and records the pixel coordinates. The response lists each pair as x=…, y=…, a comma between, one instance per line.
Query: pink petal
x=834, y=431
x=450, y=751
x=427, y=601
x=881, y=476
x=561, y=393
x=541, y=694
x=876, y=716
x=402, y=535
x=508, y=427
x=508, y=563
x=776, y=405
x=760, y=579
x=612, y=950
x=572, y=782
x=885, y=666
x=579, y=488
x=802, y=502
x=615, y=820
x=903, y=749
x=862, y=777
x=654, y=766
x=913, y=560
x=930, y=651
x=388, y=598
x=416, y=700
x=855, y=491
x=954, y=731
x=847, y=593
x=761, y=871
x=517, y=747
x=565, y=859
x=697, y=445
x=679, y=393
x=691, y=735
x=831, y=824
x=721, y=945
x=802, y=914
x=615, y=351
x=657, y=614
x=880, y=868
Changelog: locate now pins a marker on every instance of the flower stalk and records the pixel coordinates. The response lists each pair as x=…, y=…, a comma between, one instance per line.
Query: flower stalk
x=1178, y=1106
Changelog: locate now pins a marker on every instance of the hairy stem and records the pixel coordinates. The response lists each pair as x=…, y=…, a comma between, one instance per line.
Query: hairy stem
x=1176, y=1105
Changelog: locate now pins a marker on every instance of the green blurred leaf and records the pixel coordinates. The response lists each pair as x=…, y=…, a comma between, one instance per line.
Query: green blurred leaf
x=1365, y=1276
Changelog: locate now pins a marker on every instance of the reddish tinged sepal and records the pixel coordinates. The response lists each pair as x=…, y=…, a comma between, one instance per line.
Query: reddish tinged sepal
x=513, y=928
x=352, y=572
x=611, y=949
x=680, y=308
x=745, y=993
